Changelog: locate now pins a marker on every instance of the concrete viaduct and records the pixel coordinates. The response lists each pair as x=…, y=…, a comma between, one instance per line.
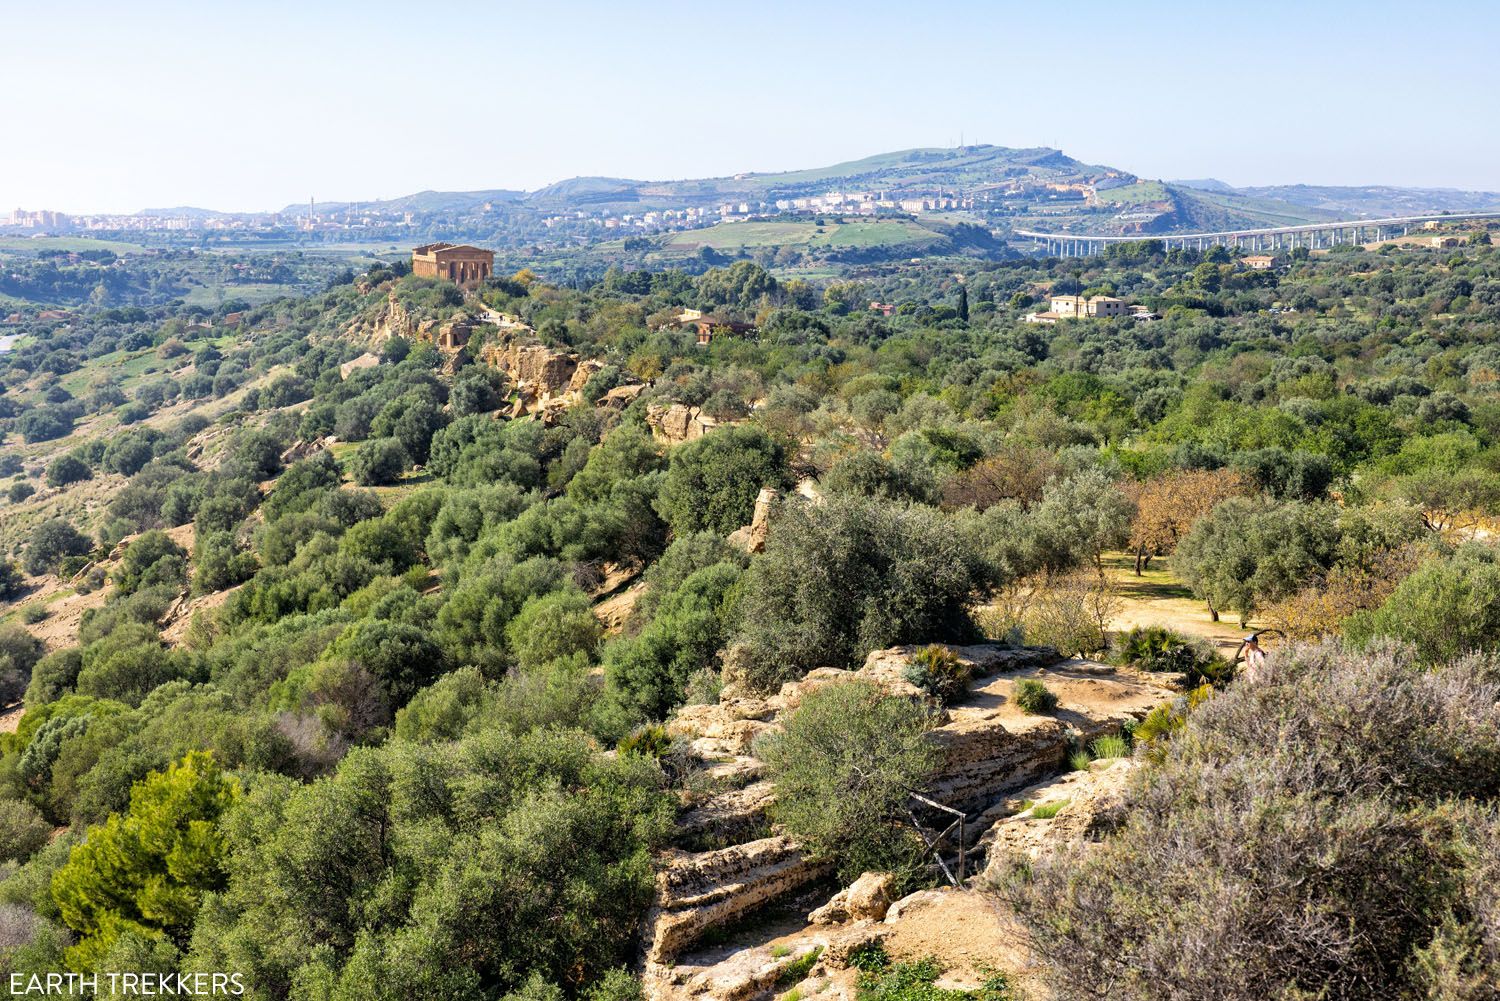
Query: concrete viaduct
x=1314, y=236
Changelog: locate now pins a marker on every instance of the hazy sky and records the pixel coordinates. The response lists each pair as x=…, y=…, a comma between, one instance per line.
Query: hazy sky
x=254, y=104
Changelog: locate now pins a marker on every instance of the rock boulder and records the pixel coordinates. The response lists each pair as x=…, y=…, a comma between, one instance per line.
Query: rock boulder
x=678, y=422
x=866, y=899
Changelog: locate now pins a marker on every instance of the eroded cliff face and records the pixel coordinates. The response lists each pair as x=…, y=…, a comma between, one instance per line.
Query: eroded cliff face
x=732, y=865
x=676, y=423
x=532, y=366
x=550, y=380
x=393, y=319
x=547, y=380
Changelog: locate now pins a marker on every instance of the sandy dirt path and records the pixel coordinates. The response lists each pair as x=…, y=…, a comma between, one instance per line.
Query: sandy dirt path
x=1157, y=598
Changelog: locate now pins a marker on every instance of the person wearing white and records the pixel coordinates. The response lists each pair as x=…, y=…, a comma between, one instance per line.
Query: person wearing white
x=1255, y=659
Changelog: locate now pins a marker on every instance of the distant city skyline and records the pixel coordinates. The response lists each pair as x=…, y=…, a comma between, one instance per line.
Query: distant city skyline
x=256, y=106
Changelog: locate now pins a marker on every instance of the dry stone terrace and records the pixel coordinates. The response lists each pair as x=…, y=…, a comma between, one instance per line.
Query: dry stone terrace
x=733, y=870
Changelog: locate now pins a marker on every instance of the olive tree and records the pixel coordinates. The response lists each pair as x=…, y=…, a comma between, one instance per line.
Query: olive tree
x=843, y=767
x=851, y=575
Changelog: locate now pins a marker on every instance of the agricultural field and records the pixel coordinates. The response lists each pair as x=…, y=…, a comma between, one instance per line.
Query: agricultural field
x=833, y=234
x=31, y=245
x=1139, y=193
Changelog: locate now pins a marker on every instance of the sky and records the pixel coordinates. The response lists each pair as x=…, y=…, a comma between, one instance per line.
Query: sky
x=244, y=105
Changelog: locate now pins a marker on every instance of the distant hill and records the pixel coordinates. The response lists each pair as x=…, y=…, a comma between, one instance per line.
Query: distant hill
x=1373, y=201
x=186, y=212
x=962, y=201
x=1160, y=207
x=1107, y=199
x=422, y=201
x=966, y=168
x=1347, y=202
x=1209, y=209
x=1206, y=184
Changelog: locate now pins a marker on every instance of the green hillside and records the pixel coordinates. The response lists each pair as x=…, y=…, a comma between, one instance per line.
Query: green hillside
x=962, y=168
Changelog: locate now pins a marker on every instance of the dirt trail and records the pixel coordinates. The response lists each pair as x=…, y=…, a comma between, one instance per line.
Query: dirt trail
x=967, y=932
x=1157, y=598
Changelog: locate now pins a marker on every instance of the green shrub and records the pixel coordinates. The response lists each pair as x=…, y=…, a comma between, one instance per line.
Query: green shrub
x=379, y=461
x=937, y=670
x=851, y=575
x=23, y=830
x=616, y=985
x=548, y=846
x=552, y=626
x=52, y=543
x=66, y=469
x=917, y=981
x=1046, y=811
x=11, y=582
x=150, y=560
x=1110, y=746
x=843, y=767
x=33, y=613
x=1169, y=718
x=712, y=482
x=649, y=673
x=146, y=870
x=1156, y=648
x=1444, y=609
x=1340, y=812
x=703, y=687
x=1139, y=646
x=870, y=957
x=19, y=653
x=797, y=970
x=1031, y=696
x=650, y=741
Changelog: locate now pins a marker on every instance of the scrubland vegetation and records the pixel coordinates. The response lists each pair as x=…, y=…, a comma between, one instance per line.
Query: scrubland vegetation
x=395, y=754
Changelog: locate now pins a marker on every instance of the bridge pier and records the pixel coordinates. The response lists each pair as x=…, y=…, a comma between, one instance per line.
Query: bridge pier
x=1320, y=236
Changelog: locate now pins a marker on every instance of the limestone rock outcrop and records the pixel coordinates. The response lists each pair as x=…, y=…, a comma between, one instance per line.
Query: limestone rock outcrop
x=752, y=537
x=731, y=817
x=988, y=747
x=393, y=319
x=746, y=974
x=620, y=397
x=865, y=899
x=1086, y=801
x=586, y=370
x=676, y=423
x=547, y=380
x=300, y=449
x=367, y=360
x=711, y=889
x=532, y=366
